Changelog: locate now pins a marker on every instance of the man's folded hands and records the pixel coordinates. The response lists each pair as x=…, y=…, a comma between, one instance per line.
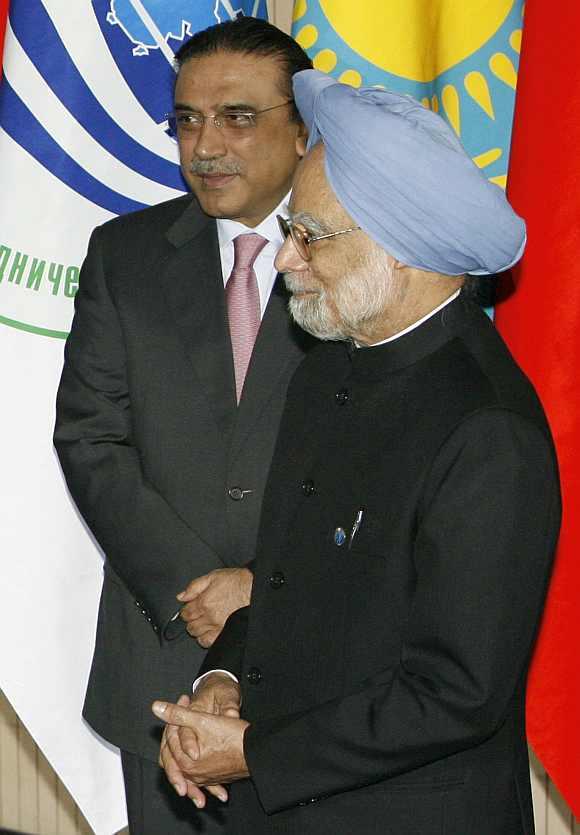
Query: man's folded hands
x=203, y=741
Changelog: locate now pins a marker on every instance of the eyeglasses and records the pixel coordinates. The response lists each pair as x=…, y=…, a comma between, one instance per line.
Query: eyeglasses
x=302, y=239
x=189, y=123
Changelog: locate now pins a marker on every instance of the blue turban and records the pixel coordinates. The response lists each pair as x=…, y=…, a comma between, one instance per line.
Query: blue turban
x=402, y=174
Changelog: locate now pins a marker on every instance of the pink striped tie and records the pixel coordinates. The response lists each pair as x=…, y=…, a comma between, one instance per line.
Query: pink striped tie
x=243, y=301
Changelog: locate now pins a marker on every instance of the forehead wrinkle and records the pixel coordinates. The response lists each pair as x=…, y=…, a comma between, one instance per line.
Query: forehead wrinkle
x=230, y=73
x=311, y=188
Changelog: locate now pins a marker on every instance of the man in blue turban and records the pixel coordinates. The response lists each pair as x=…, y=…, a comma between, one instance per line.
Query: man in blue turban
x=376, y=683
x=401, y=171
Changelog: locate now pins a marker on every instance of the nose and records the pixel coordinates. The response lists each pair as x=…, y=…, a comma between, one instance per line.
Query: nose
x=210, y=141
x=288, y=259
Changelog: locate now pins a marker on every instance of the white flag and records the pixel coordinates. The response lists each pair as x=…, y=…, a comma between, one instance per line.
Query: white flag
x=83, y=105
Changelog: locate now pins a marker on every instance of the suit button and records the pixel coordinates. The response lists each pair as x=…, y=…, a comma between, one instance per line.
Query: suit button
x=277, y=580
x=308, y=487
x=236, y=494
x=341, y=397
x=254, y=676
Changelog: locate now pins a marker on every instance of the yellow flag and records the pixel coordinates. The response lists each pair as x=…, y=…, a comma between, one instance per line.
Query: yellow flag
x=459, y=58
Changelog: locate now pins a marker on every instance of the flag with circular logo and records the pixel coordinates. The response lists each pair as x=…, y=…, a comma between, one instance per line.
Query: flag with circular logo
x=82, y=120
x=459, y=58
x=83, y=137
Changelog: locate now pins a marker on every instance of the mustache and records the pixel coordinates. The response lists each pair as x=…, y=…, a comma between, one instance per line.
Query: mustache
x=219, y=168
x=293, y=283
x=290, y=281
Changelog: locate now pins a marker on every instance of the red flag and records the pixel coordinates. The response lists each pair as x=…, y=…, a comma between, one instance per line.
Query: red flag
x=3, y=15
x=541, y=323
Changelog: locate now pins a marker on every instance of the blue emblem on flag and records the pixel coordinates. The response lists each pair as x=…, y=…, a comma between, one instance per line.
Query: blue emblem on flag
x=49, y=97
x=143, y=36
x=149, y=23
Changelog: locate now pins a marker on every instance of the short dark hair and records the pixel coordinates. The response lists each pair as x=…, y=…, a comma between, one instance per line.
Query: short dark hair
x=250, y=36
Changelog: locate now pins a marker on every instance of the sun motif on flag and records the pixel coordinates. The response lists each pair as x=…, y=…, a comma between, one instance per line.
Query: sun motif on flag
x=470, y=78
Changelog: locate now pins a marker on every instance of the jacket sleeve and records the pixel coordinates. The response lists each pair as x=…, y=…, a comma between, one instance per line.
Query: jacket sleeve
x=486, y=533
x=147, y=544
x=227, y=652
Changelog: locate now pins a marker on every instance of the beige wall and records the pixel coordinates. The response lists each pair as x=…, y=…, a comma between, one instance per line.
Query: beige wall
x=33, y=800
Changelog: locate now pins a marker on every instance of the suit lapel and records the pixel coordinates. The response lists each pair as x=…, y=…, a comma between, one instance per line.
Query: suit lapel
x=279, y=342
x=193, y=283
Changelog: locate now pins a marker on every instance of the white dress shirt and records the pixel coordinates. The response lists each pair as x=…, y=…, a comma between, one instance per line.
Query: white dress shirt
x=264, y=263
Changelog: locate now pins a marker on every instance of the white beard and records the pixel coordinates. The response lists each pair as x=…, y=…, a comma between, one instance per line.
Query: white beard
x=359, y=297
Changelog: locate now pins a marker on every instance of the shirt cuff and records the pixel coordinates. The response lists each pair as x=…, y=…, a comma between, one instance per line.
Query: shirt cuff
x=198, y=680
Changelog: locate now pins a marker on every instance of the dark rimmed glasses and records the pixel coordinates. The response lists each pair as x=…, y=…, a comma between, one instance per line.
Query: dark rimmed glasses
x=229, y=120
x=302, y=239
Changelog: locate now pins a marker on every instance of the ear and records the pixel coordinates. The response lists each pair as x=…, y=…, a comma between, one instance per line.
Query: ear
x=301, y=140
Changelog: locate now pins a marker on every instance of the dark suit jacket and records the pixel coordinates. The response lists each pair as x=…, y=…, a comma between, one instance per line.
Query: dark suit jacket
x=151, y=442
x=384, y=681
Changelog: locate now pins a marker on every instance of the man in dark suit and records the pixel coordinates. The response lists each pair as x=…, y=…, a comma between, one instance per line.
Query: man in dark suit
x=172, y=392
x=410, y=516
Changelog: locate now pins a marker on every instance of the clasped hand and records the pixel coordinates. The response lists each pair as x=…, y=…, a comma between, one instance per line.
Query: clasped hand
x=208, y=601
x=203, y=741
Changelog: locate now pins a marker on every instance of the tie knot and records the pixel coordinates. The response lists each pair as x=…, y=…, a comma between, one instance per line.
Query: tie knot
x=246, y=250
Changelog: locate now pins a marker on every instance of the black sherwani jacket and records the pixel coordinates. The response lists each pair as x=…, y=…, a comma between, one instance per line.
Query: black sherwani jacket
x=383, y=672
x=155, y=450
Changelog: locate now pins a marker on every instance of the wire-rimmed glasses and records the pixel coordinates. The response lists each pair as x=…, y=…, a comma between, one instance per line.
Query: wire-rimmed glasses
x=228, y=119
x=302, y=239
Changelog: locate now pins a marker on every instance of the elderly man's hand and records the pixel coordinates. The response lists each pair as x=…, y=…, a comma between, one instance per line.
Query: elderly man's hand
x=217, y=694
x=210, y=600
x=212, y=749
